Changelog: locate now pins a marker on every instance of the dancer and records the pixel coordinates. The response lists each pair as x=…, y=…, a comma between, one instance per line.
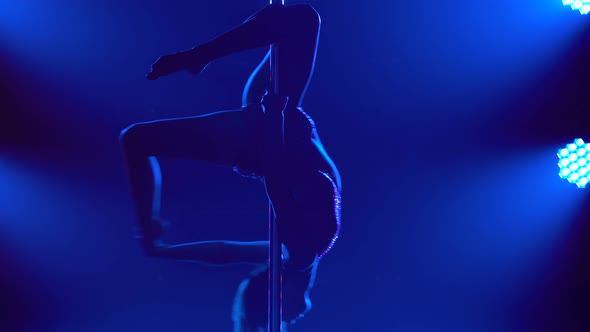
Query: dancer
x=270, y=138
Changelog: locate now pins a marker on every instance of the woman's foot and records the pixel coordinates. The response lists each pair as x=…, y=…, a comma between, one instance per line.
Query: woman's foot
x=159, y=225
x=152, y=237
x=165, y=65
x=172, y=63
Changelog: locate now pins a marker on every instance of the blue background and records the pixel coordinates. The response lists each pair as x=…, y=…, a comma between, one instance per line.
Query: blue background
x=443, y=117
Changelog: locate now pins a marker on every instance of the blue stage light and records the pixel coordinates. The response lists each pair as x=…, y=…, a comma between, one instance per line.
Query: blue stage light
x=582, y=5
x=574, y=162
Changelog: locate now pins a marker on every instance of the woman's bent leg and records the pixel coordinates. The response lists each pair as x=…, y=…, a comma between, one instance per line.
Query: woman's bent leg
x=217, y=138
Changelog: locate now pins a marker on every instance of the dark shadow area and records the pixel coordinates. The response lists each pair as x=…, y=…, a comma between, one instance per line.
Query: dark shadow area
x=560, y=297
x=555, y=108
x=27, y=120
x=26, y=302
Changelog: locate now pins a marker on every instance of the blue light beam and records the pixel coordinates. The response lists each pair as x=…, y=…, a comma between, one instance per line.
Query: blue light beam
x=574, y=162
x=582, y=5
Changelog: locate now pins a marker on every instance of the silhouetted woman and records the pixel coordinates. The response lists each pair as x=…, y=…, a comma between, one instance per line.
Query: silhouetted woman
x=270, y=138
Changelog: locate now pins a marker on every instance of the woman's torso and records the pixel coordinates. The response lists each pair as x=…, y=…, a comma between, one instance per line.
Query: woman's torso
x=304, y=186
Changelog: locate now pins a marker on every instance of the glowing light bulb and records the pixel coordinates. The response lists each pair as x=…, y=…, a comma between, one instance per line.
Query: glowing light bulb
x=574, y=165
x=563, y=152
x=564, y=162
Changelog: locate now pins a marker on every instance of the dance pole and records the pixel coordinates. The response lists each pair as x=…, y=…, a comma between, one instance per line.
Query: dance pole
x=275, y=289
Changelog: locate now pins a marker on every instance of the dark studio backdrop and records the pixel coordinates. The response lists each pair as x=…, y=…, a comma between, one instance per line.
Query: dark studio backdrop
x=443, y=117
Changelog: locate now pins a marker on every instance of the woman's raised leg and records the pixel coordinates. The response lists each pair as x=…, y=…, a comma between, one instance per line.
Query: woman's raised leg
x=216, y=138
x=294, y=28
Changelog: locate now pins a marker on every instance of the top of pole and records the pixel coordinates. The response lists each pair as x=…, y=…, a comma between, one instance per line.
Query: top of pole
x=277, y=2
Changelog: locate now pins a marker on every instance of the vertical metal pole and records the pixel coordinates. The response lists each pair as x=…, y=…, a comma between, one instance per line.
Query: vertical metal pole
x=275, y=289
x=275, y=277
